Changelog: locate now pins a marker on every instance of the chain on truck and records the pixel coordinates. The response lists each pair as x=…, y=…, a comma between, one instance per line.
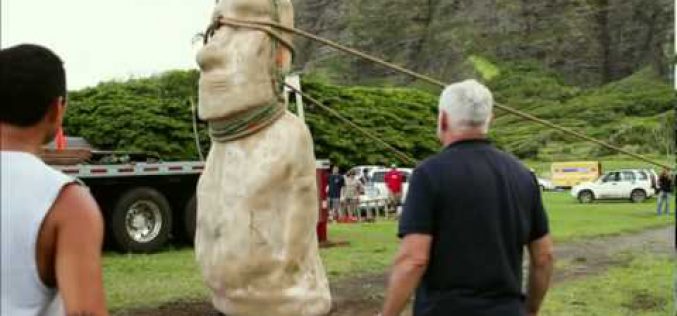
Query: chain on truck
x=146, y=201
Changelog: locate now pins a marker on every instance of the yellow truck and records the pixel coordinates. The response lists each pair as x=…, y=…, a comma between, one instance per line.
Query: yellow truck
x=570, y=173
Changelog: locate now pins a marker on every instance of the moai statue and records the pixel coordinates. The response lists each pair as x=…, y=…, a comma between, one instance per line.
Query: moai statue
x=257, y=197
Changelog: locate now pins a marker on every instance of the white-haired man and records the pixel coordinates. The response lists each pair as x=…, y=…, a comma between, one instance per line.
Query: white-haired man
x=469, y=212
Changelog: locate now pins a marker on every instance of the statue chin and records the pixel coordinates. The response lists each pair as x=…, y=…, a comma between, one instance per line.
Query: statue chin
x=220, y=96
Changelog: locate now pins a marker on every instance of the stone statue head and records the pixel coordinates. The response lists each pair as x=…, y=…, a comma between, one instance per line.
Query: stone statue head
x=241, y=67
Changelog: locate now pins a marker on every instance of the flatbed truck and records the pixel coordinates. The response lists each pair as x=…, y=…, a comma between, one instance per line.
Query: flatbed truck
x=147, y=202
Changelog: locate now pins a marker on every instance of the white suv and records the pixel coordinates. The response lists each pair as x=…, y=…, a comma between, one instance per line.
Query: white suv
x=634, y=184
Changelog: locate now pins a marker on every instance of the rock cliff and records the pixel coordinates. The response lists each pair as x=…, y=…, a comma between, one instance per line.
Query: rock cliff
x=589, y=42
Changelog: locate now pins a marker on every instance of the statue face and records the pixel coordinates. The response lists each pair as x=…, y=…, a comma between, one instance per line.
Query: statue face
x=238, y=65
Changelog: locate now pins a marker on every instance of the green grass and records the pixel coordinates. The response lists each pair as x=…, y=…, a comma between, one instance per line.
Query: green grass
x=644, y=287
x=570, y=220
x=371, y=249
x=149, y=280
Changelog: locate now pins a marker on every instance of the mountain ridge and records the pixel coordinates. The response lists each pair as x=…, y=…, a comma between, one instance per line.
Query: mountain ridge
x=589, y=42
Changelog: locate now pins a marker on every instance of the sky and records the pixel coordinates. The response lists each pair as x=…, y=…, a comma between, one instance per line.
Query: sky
x=101, y=40
x=108, y=40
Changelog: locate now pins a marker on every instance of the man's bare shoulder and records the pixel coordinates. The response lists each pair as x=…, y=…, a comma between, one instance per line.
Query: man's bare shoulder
x=75, y=205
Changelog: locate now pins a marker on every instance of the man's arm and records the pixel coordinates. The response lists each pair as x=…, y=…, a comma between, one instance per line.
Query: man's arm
x=79, y=239
x=410, y=265
x=540, y=270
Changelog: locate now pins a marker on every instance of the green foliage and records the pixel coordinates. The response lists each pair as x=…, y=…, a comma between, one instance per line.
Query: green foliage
x=404, y=118
x=629, y=113
x=152, y=114
x=487, y=69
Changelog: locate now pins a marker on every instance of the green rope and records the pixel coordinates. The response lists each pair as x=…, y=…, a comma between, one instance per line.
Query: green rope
x=246, y=122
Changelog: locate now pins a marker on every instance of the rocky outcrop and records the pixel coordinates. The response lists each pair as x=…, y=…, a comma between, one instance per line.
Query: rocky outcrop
x=589, y=41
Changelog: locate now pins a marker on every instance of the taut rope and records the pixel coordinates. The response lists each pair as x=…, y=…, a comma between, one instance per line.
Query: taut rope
x=402, y=156
x=267, y=24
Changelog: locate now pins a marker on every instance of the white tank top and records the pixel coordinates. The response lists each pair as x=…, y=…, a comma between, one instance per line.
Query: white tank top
x=29, y=188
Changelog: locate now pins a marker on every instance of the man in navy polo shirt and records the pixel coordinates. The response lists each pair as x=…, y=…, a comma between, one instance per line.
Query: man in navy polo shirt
x=469, y=212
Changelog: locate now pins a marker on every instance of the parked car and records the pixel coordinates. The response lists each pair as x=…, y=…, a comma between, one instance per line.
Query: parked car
x=545, y=184
x=360, y=170
x=635, y=185
x=372, y=200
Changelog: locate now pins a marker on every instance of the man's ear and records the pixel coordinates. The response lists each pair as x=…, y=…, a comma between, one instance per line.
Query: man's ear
x=57, y=110
x=444, y=121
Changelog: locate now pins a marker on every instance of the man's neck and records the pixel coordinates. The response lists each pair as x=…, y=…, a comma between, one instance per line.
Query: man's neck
x=451, y=138
x=13, y=138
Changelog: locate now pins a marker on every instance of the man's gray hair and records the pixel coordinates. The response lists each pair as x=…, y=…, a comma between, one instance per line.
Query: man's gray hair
x=468, y=105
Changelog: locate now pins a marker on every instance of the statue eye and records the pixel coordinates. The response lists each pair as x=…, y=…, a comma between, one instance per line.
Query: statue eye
x=246, y=9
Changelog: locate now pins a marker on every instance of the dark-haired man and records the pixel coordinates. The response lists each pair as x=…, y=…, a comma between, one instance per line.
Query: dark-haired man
x=52, y=229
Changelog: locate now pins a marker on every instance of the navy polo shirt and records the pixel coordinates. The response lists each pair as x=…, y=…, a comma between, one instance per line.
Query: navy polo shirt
x=336, y=183
x=481, y=206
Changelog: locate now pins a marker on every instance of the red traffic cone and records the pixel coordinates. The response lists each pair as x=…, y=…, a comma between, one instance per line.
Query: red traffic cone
x=61, y=142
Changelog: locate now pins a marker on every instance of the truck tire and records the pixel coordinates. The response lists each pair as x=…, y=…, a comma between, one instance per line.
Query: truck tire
x=190, y=219
x=637, y=196
x=586, y=196
x=141, y=221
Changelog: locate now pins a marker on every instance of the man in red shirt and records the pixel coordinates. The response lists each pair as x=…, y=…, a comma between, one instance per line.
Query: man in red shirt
x=393, y=179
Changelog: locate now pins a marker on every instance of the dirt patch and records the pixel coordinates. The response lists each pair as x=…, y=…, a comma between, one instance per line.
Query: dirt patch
x=174, y=309
x=364, y=295
x=587, y=257
x=643, y=302
x=351, y=297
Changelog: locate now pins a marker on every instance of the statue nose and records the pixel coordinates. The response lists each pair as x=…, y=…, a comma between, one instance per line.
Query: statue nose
x=210, y=57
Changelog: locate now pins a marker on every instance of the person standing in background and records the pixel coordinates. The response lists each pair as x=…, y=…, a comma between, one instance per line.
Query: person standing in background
x=664, y=190
x=352, y=194
x=335, y=186
x=365, y=177
x=393, y=179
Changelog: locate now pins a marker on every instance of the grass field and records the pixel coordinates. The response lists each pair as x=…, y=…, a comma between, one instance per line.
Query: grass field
x=643, y=288
x=148, y=280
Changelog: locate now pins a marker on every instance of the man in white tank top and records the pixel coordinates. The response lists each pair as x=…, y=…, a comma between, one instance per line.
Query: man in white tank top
x=52, y=229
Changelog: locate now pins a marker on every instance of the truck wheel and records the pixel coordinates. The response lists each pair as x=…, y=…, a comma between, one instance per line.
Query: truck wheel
x=190, y=219
x=141, y=221
x=586, y=196
x=638, y=196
